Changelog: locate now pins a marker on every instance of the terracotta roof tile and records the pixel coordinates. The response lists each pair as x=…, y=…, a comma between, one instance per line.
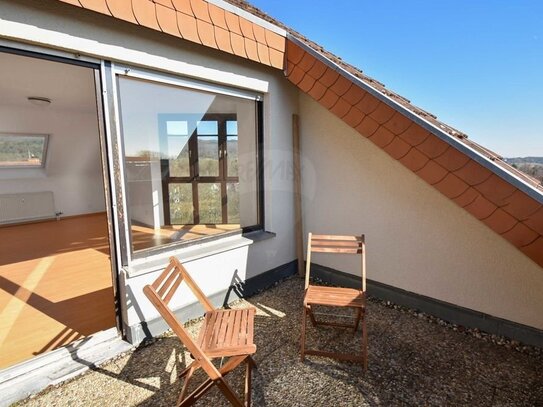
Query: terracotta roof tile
x=432, y=172
x=294, y=53
x=307, y=62
x=520, y=205
x=296, y=75
x=277, y=58
x=260, y=34
x=496, y=190
x=200, y=10
x=382, y=137
x=452, y=159
x=500, y=221
x=473, y=173
x=167, y=20
x=451, y=186
x=306, y=83
x=317, y=70
x=520, y=235
x=251, y=50
x=383, y=113
x=96, y=5
x=481, y=207
x=398, y=123
x=187, y=27
x=329, y=77
x=238, y=45
x=341, y=108
x=467, y=197
x=535, y=251
x=165, y=3
x=368, y=104
x=275, y=41
x=183, y=6
x=206, y=33
x=433, y=147
x=247, y=28
x=329, y=99
x=354, y=95
x=415, y=135
x=232, y=21
x=367, y=126
x=341, y=86
x=397, y=148
x=353, y=117
x=414, y=160
x=217, y=16
x=317, y=91
x=145, y=13
x=535, y=221
x=222, y=37
x=121, y=9
x=263, y=53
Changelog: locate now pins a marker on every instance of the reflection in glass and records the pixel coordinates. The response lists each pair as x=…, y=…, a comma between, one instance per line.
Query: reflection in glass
x=209, y=202
x=232, y=155
x=232, y=193
x=208, y=156
x=178, y=154
x=181, y=210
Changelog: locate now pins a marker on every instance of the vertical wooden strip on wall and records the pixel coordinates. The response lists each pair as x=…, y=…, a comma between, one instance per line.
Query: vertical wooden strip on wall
x=297, y=194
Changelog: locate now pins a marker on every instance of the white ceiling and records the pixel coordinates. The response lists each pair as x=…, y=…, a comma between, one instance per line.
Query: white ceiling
x=69, y=87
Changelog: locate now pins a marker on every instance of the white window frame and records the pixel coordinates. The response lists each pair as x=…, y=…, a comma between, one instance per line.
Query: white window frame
x=45, y=138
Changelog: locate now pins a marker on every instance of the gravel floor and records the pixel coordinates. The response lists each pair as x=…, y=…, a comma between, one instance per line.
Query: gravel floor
x=413, y=360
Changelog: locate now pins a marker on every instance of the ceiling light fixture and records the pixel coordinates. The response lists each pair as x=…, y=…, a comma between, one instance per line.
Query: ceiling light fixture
x=39, y=101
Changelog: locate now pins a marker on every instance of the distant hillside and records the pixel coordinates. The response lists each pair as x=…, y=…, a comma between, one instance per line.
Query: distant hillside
x=525, y=160
x=529, y=165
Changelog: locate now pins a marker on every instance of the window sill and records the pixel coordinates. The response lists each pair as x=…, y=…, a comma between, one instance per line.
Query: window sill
x=157, y=262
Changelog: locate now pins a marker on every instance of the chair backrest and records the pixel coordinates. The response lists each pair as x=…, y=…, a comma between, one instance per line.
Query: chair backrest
x=336, y=244
x=161, y=291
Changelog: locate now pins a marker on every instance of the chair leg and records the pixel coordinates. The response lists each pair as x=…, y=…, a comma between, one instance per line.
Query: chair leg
x=228, y=392
x=365, y=342
x=358, y=317
x=248, y=367
x=302, y=338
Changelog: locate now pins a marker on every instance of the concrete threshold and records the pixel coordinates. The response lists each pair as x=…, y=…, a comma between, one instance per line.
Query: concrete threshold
x=30, y=377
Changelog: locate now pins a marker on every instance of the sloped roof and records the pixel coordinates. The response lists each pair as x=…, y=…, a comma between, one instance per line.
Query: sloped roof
x=503, y=198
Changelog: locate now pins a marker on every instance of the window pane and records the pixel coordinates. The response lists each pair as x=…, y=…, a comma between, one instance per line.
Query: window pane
x=232, y=128
x=208, y=156
x=177, y=128
x=169, y=131
x=181, y=210
x=22, y=150
x=232, y=155
x=208, y=128
x=178, y=154
x=232, y=194
x=209, y=200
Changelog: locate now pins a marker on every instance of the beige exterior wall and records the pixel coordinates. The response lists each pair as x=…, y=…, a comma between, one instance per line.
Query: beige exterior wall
x=417, y=239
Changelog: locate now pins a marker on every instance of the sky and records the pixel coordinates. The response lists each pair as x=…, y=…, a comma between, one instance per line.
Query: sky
x=476, y=64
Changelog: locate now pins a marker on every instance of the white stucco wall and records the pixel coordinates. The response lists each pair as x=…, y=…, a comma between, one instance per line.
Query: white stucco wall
x=417, y=239
x=62, y=26
x=73, y=169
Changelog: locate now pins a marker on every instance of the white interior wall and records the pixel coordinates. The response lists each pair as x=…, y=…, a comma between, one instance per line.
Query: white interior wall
x=213, y=272
x=417, y=239
x=73, y=169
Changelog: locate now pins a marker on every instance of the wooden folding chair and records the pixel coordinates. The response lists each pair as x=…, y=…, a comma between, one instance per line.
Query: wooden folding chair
x=224, y=333
x=336, y=296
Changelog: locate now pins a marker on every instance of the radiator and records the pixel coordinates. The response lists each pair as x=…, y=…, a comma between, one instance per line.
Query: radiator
x=27, y=206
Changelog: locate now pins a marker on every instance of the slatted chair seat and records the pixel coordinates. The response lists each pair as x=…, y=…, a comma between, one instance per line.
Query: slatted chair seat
x=335, y=296
x=228, y=333
x=224, y=334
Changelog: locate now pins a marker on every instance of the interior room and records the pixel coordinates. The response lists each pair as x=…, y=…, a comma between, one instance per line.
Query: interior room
x=55, y=266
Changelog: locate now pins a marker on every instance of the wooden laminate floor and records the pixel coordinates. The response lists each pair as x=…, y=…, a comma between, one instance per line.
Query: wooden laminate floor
x=55, y=285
